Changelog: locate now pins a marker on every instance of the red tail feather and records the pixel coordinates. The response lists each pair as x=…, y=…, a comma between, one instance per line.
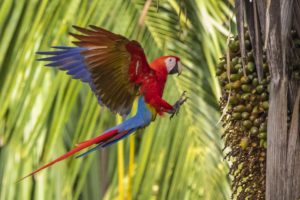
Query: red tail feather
x=80, y=146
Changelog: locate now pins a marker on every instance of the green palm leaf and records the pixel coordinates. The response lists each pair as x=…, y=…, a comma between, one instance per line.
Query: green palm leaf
x=43, y=113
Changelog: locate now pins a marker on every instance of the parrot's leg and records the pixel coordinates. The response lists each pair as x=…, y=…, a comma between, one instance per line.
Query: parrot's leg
x=178, y=104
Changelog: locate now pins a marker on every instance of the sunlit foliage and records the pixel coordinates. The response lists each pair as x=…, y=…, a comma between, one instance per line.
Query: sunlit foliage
x=44, y=113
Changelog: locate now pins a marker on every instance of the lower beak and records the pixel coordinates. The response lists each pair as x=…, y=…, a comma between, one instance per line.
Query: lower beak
x=177, y=69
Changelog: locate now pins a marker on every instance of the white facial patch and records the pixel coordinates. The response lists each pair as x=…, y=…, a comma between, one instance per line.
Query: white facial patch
x=170, y=63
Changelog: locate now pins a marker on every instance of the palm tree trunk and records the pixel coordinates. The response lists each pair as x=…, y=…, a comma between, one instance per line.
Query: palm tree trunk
x=276, y=19
x=282, y=155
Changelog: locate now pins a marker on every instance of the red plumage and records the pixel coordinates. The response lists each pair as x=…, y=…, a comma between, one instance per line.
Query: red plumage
x=101, y=138
x=120, y=70
x=151, y=78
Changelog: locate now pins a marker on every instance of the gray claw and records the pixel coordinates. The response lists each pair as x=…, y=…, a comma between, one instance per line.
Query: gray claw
x=178, y=103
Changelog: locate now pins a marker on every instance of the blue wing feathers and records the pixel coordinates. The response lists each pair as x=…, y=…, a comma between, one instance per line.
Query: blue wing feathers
x=80, y=74
x=48, y=53
x=75, y=70
x=72, y=65
x=63, y=47
x=70, y=60
x=59, y=55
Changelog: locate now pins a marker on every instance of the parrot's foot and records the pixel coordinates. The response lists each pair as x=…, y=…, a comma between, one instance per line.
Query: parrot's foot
x=179, y=102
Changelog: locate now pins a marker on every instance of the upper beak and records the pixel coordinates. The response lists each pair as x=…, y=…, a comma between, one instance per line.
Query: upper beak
x=177, y=69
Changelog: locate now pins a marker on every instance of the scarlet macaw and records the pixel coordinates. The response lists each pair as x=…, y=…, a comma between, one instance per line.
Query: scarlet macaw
x=117, y=71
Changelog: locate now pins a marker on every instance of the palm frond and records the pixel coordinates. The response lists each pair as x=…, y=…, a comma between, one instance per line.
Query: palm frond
x=43, y=113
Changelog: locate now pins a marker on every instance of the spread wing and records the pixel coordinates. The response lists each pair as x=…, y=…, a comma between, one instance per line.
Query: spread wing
x=116, y=64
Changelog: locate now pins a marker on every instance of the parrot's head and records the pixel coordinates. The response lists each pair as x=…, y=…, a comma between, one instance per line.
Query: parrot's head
x=169, y=64
x=173, y=65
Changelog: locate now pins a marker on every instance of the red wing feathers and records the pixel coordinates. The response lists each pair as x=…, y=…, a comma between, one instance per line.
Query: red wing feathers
x=116, y=64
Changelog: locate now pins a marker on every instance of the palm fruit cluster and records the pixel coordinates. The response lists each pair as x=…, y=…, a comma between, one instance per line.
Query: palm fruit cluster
x=244, y=104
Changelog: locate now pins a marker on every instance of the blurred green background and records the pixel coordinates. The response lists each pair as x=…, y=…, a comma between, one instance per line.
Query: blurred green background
x=43, y=113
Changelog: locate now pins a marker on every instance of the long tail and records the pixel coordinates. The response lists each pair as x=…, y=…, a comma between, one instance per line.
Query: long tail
x=96, y=140
x=142, y=118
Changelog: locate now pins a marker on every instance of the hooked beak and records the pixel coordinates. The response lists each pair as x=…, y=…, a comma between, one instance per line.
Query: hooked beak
x=180, y=67
x=177, y=69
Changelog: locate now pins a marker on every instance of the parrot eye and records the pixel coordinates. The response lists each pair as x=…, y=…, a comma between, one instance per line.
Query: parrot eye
x=170, y=63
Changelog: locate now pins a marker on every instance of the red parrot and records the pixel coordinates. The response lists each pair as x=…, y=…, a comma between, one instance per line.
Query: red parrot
x=117, y=71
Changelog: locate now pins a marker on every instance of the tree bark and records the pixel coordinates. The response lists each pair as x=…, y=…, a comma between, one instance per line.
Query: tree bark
x=283, y=170
x=276, y=20
x=293, y=156
x=277, y=118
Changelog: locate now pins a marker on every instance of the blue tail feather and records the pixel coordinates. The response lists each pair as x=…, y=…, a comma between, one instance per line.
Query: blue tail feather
x=106, y=144
x=142, y=118
x=89, y=151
